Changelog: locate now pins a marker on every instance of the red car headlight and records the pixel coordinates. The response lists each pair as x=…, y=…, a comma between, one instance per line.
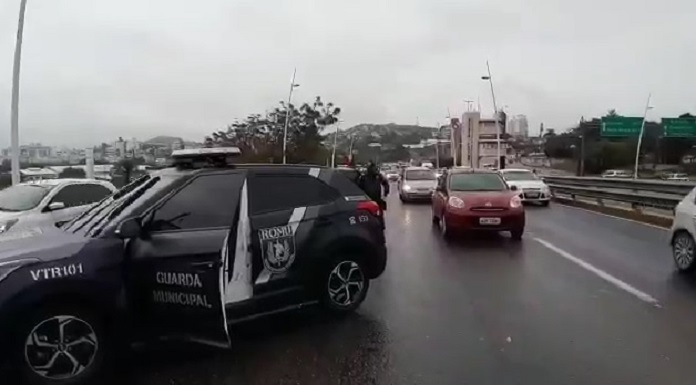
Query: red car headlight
x=515, y=202
x=455, y=202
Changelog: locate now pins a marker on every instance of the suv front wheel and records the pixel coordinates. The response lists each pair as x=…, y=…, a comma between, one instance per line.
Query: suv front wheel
x=62, y=345
x=344, y=285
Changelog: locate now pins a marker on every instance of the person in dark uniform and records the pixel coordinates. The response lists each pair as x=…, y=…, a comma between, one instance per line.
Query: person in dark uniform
x=374, y=185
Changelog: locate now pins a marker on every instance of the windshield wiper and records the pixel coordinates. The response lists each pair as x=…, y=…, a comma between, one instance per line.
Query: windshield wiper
x=6, y=209
x=95, y=211
x=119, y=209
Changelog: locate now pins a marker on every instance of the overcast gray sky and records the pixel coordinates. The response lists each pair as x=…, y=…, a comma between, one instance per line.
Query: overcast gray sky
x=94, y=70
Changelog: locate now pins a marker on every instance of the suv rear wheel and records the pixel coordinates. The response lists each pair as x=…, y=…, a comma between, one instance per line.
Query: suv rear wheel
x=344, y=285
x=684, y=251
x=61, y=345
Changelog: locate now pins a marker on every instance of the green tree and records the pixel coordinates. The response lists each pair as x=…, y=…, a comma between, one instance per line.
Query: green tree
x=260, y=137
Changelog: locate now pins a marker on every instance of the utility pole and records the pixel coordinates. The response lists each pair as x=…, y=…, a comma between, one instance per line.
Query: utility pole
x=640, y=138
x=14, y=113
x=495, y=114
x=333, y=153
x=287, y=116
x=437, y=145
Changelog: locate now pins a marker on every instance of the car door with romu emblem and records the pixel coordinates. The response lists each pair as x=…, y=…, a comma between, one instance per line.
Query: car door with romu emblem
x=288, y=211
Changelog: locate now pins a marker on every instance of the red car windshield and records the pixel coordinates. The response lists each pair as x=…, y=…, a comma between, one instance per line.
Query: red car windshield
x=477, y=182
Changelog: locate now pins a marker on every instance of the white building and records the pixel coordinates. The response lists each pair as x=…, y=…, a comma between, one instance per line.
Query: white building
x=479, y=140
x=518, y=127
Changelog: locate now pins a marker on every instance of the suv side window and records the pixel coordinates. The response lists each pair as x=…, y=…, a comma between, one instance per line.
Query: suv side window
x=281, y=192
x=80, y=194
x=208, y=201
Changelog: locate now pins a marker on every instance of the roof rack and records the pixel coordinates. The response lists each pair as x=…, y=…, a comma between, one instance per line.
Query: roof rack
x=205, y=157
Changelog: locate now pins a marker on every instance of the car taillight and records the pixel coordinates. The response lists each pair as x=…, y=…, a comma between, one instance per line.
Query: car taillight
x=515, y=202
x=456, y=202
x=370, y=206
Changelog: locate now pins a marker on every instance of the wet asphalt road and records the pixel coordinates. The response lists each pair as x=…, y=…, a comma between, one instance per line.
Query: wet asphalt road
x=571, y=304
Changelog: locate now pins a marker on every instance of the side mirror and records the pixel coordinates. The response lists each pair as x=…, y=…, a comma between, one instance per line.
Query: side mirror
x=129, y=228
x=513, y=188
x=56, y=206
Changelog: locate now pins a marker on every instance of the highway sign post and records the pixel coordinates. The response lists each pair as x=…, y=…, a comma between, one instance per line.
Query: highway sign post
x=621, y=126
x=679, y=127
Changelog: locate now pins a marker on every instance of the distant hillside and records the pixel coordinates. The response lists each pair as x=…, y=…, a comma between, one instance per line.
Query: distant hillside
x=392, y=137
x=163, y=139
x=391, y=130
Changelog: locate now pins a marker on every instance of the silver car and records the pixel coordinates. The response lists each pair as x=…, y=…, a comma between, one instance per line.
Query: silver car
x=417, y=184
x=48, y=201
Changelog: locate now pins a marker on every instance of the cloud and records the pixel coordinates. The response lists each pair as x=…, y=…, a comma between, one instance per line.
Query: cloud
x=94, y=70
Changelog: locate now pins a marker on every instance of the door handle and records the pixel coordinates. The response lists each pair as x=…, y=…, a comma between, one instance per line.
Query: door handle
x=206, y=265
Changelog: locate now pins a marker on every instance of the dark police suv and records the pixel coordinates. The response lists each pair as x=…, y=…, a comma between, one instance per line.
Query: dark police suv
x=183, y=252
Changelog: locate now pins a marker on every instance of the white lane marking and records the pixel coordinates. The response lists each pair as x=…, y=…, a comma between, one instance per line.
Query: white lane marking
x=601, y=273
x=615, y=217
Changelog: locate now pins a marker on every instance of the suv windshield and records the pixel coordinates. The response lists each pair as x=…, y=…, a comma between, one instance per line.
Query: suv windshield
x=420, y=175
x=22, y=197
x=94, y=220
x=477, y=182
x=519, y=175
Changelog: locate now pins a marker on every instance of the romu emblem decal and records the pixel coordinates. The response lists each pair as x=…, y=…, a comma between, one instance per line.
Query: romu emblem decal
x=277, y=248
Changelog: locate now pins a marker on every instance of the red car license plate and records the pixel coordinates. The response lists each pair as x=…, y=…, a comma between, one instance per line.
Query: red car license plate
x=489, y=221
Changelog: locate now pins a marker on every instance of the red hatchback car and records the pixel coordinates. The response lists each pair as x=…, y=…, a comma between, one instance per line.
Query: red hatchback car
x=477, y=200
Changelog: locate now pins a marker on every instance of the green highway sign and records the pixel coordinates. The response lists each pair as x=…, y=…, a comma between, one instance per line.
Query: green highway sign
x=621, y=126
x=679, y=127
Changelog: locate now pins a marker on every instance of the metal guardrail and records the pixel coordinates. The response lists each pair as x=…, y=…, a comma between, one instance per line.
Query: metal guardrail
x=639, y=193
x=658, y=186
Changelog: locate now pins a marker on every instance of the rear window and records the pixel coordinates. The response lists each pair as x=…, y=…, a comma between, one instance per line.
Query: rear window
x=349, y=173
x=476, y=182
x=283, y=192
x=419, y=175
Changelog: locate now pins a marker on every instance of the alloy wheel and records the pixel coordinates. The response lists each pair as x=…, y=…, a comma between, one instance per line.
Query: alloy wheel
x=61, y=347
x=683, y=251
x=346, y=283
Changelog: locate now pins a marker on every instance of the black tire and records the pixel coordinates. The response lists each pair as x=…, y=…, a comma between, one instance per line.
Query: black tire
x=435, y=219
x=684, y=252
x=83, y=338
x=517, y=234
x=402, y=199
x=444, y=229
x=344, y=285
x=545, y=203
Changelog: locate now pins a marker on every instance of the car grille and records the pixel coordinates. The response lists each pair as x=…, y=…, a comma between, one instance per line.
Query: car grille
x=531, y=193
x=488, y=209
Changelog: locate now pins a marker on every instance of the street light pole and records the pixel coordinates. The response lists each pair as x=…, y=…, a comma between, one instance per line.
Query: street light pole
x=495, y=111
x=287, y=116
x=437, y=145
x=640, y=137
x=468, y=104
x=333, y=153
x=14, y=114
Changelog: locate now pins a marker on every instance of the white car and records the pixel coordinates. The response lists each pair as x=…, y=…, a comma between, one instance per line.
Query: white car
x=417, y=183
x=48, y=201
x=683, y=230
x=532, y=188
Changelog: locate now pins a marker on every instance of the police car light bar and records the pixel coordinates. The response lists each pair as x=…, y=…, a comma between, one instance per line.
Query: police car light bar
x=206, y=152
